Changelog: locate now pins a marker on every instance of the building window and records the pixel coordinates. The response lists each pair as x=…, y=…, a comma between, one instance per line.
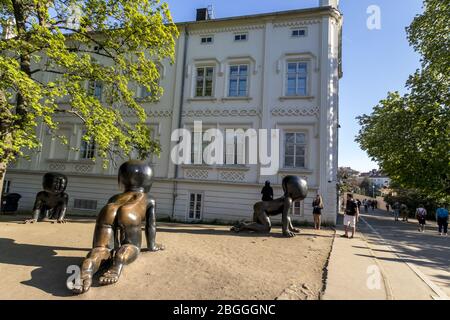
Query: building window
x=196, y=151
x=295, y=150
x=240, y=37
x=204, y=82
x=234, y=147
x=207, y=40
x=296, y=209
x=195, y=206
x=6, y=186
x=87, y=149
x=296, y=33
x=96, y=89
x=238, y=84
x=85, y=204
x=297, y=76
x=143, y=92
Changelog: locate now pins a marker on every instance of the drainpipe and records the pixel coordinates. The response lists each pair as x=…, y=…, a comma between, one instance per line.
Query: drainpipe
x=183, y=77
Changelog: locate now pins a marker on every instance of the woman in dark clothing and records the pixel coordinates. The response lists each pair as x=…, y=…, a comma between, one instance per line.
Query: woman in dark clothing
x=267, y=192
x=317, y=211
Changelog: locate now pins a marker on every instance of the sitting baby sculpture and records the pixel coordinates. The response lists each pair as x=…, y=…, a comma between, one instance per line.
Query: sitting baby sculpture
x=294, y=189
x=52, y=202
x=118, y=235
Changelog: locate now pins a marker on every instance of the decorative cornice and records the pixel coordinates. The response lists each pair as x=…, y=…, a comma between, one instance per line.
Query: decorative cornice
x=295, y=112
x=296, y=23
x=227, y=29
x=150, y=113
x=221, y=113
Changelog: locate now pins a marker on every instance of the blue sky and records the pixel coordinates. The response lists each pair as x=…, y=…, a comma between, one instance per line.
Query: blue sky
x=374, y=61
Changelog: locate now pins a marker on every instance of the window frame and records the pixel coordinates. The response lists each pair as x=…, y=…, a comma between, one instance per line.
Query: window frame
x=6, y=186
x=204, y=79
x=188, y=209
x=238, y=79
x=239, y=35
x=297, y=77
x=301, y=209
x=206, y=37
x=92, y=86
x=87, y=148
x=295, y=144
x=305, y=32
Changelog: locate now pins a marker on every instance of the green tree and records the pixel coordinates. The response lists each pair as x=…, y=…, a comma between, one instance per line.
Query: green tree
x=115, y=43
x=347, y=180
x=409, y=135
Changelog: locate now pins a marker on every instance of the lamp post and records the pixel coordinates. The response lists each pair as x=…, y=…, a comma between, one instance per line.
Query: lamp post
x=373, y=191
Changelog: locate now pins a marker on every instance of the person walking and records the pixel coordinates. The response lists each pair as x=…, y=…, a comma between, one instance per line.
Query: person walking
x=372, y=204
x=366, y=205
x=404, y=212
x=358, y=202
x=442, y=220
x=351, y=216
x=267, y=192
x=421, y=215
x=396, y=208
x=388, y=207
x=317, y=211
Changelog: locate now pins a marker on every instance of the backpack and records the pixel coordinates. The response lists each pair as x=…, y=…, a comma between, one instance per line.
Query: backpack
x=421, y=212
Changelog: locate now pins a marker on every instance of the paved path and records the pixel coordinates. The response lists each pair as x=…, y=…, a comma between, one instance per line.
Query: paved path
x=389, y=260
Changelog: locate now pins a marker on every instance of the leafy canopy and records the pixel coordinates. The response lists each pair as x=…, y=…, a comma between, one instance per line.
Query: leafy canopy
x=409, y=135
x=78, y=44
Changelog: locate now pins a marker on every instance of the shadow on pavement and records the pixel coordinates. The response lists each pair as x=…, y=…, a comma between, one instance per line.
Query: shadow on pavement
x=50, y=275
x=423, y=249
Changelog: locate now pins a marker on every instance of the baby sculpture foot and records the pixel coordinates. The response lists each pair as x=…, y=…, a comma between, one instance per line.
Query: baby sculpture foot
x=30, y=221
x=157, y=247
x=288, y=234
x=83, y=286
x=111, y=276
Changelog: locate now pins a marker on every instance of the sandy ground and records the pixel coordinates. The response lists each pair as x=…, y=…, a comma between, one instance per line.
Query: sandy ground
x=200, y=262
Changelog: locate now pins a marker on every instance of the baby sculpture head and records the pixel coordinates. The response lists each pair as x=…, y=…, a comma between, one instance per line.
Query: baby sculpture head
x=295, y=187
x=54, y=182
x=135, y=175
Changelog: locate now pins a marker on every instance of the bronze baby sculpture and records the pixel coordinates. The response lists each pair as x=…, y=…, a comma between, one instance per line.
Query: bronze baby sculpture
x=294, y=189
x=52, y=202
x=118, y=236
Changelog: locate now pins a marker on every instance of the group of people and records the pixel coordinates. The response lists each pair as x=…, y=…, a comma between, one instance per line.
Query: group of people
x=267, y=195
x=352, y=211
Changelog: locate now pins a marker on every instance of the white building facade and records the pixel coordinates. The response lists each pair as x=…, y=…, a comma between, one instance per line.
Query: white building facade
x=270, y=71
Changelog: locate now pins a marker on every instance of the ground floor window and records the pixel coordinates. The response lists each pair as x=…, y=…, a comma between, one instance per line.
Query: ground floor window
x=195, y=206
x=296, y=209
x=6, y=186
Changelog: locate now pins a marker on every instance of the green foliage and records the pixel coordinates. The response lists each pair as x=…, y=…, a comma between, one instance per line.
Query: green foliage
x=118, y=43
x=409, y=135
x=412, y=199
x=347, y=180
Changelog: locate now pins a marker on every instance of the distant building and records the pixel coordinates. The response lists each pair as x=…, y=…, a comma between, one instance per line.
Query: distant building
x=376, y=177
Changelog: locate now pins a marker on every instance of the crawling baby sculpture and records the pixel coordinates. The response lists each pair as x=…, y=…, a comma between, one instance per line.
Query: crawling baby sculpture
x=118, y=235
x=294, y=189
x=52, y=202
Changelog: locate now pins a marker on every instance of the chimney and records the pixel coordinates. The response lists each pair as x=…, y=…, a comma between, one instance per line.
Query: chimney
x=329, y=3
x=202, y=14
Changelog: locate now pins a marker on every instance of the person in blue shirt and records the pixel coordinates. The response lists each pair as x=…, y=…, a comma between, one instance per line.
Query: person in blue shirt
x=442, y=220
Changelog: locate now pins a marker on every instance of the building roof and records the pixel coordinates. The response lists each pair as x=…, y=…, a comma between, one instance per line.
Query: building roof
x=307, y=11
